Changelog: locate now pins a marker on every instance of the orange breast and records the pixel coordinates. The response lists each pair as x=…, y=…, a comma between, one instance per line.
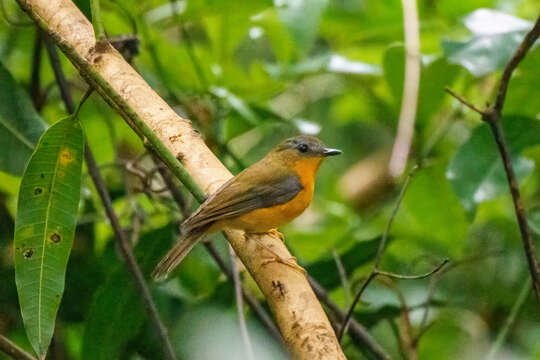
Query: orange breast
x=267, y=218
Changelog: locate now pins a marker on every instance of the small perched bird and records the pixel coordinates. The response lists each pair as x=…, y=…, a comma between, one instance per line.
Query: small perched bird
x=269, y=193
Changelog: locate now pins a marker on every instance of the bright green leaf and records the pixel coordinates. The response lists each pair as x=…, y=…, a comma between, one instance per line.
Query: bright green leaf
x=45, y=226
x=476, y=171
x=20, y=125
x=302, y=19
x=496, y=36
x=534, y=220
x=436, y=74
x=430, y=215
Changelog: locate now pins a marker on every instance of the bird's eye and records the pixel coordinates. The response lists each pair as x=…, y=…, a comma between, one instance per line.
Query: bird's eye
x=302, y=148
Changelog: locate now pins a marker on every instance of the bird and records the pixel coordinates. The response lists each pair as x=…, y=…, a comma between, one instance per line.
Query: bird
x=262, y=197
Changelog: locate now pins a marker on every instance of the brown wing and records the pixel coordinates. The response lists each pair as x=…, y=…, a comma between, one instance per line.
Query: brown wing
x=236, y=197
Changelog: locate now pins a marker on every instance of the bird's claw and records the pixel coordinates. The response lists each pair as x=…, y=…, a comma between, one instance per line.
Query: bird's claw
x=291, y=262
x=277, y=233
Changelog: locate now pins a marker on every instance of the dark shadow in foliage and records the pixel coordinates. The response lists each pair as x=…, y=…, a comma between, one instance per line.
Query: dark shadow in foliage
x=324, y=270
x=117, y=313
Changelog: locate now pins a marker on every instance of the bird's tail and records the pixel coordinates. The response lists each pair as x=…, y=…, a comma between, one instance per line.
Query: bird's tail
x=175, y=256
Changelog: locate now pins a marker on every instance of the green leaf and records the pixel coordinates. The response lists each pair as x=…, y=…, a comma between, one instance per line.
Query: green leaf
x=430, y=216
x=436, y=74
x=496, y=36
x=326, y=62
x=360, y=253
x=302, y=19
x=44, y=227
x=117, y=313
x=534, y=220
x=476, y=171
x=20, y=125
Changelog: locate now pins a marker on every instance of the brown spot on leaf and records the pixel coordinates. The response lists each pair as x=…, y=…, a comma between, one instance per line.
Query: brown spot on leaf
x=55, y=237
x=180, y=157
x=66, y=156
x=27, y=253
x=38, y=191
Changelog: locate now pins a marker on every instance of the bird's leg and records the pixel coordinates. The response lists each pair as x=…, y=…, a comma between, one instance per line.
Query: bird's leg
x=274, y=257
x=276, y=232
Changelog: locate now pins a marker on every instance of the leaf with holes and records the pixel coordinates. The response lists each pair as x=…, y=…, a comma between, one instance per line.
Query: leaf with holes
x=44, y=227
x=20, y=125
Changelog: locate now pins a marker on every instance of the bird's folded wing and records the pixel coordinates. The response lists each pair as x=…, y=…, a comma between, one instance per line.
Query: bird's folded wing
x=235, y=198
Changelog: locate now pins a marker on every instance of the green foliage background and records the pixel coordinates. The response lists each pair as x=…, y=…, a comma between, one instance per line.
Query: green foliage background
x=249, y=73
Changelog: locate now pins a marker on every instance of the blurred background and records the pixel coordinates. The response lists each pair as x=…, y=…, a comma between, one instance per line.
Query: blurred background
x=251, y=73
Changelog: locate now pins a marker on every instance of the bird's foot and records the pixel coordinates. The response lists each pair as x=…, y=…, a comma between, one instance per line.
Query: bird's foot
x=276, y=232
x=274, y=257
x=291, y=262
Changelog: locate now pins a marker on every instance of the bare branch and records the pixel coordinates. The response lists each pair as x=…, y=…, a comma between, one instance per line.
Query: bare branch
x=392, y=275
x=464, y=101
x=492, y=115
x=12, y=350
x=411, y=85
x=520, y=53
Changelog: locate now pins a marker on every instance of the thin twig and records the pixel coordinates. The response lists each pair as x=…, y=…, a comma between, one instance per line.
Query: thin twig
x=343, y=277
x=12, y=350
x=63, y=85
x=518, y=304
x=492, y=116
x=121, y=238
x=97, y=22
x=254, y=304
x=240, y=305
x=413, y=277
x=411, y=84
x=127, y=253
x=35, y=77
x=382, y=245
x=520, y=53
x=358, y=333
x=464, y=101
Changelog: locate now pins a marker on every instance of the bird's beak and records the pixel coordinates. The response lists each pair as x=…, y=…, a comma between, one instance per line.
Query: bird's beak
x=331, y=152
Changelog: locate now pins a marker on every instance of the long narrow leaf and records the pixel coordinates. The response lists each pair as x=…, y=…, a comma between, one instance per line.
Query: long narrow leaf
x=44, y=227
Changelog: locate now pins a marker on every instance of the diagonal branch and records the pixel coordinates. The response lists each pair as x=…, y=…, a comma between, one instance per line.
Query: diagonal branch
x=520, y=53
x=300, y=317
x=12, y=350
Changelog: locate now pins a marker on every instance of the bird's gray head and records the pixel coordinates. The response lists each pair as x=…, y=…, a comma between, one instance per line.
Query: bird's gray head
x=307, y=146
